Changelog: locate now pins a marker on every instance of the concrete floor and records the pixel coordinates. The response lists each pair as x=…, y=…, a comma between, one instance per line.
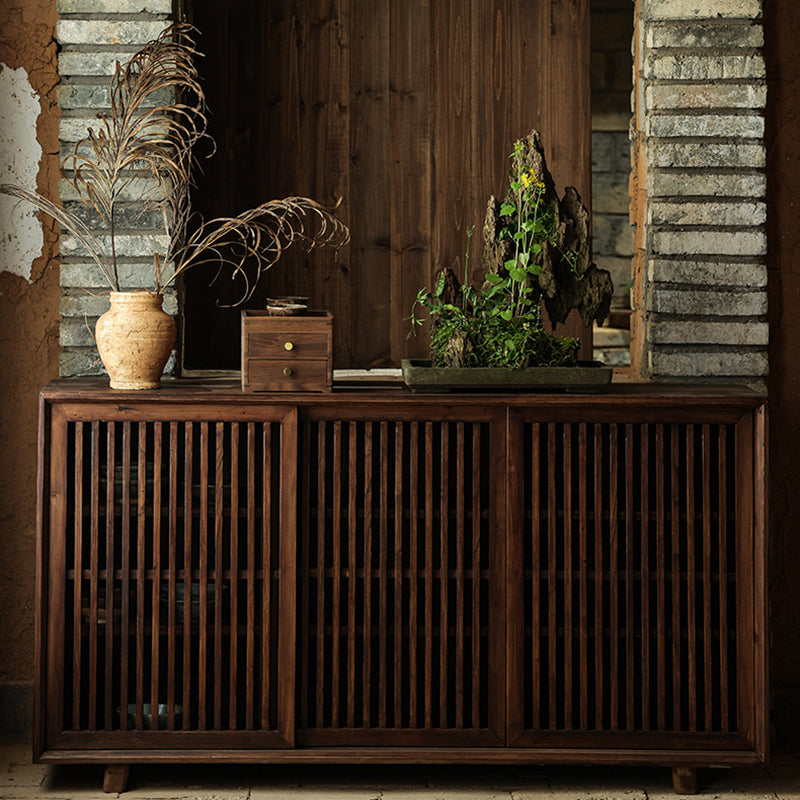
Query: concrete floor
x=20, y=779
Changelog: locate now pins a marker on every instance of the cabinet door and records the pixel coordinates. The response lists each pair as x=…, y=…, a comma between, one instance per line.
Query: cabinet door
x=401, y=577
x=636, y=581
x=168, y=577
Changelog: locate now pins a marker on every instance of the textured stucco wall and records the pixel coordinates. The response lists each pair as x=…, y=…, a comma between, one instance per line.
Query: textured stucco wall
x=28, y=344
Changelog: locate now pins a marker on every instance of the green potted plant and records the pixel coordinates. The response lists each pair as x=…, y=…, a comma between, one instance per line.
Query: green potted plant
x=146, y=148
x=536, y=255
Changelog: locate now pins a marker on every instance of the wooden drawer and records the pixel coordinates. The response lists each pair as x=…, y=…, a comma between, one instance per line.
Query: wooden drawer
x=286, y=375
x=301, y=345
x=287, y=344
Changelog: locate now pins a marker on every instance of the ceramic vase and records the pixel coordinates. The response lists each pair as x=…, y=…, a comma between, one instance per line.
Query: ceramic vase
x=134, y=338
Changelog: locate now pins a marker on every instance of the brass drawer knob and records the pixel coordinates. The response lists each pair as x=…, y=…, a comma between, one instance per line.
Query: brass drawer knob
x=288, y=372
x=288, y=346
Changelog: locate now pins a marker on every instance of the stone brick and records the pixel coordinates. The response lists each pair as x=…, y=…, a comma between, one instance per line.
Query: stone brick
x=708, y=273
x=96, y=96
x=612, y=235
x=115, y=6
x=705, y=184
x=708, y=364
x=611, y=151
x=742, y=126
x=80, y=304
x=701, y=9
x=709, y=303
x=77, y=332
x=132, y=275
x=610, y=193
x=108, y=32
x=77, y=62
x=76, y=362
x=710, y=67
x=665, y=153
x=132, y=191
x=704, y=34
x=705, y=95
x=687, y=213
x=73, y=129
x=742, y=243
x=697, y=332
x=138, y=244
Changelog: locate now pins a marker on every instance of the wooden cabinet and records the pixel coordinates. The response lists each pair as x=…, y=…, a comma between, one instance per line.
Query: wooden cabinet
x=379, y=576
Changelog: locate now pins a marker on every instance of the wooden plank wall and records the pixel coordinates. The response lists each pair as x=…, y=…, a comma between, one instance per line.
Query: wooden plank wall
x=407, y=111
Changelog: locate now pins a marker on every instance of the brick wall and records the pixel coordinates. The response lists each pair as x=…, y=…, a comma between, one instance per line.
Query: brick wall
x=699, y=190
x=94, y=35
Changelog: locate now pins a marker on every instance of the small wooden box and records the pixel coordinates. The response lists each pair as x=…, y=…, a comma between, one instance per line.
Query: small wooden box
x=287, y=354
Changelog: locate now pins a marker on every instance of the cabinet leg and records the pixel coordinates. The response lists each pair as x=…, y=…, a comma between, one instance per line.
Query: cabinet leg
x=684, y=780
x=115, y=778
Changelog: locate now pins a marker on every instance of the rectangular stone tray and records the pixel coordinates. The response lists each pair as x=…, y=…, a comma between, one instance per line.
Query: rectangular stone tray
x=588, y=376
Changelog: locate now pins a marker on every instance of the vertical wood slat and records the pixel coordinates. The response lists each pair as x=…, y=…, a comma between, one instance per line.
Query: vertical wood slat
x=661, y=668
x=583, y=578
x=336, y=556
x=675, y=576
x=707, y=581
x=304, y=549
x=568, y=577
x=645, y=572
x=94, y=568
x=267, y=569
x=475, y=556
x=219, y=544
x=398, y=573
x=125, y=548
x=233, y=582
x=630, y=577
x=352, y=577
x=599, y=593
x=172, y=566
x=383, y=576
x=691, y=581
x=413, y=461
x=444, y=567
x=202, y=680
x=429, y=576
x=321, y=571
x=249, y=712
x=111, y=473
x=536, y=572
x=188, y=460
x=723, y=578
x=552, y=577
x=459, y=620
x=141, y=532
x=366, y=701
x=613, y=579
x=155, y=594
x=77, y=582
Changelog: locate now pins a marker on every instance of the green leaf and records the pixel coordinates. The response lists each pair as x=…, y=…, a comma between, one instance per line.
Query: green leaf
x=507, y=209
x=493, y=278
x=519, y=275
x=536, y=247
x=524, y=258
x=535, y=269
x=518, y=235
x=507, y=314
x=512, y=262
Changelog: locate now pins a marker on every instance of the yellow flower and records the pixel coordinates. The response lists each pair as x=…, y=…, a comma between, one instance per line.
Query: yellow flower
x=526, y=180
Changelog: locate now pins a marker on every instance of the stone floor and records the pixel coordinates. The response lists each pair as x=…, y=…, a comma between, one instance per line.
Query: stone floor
x=20, y=779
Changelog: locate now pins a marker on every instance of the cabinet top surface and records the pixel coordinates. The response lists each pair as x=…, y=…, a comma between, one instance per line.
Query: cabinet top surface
x=229, y=391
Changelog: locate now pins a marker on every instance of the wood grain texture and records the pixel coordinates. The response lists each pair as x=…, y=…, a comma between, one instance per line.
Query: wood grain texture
x=407, y=112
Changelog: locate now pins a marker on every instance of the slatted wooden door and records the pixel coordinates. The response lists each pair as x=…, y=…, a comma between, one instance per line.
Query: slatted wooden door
x=170, y=577
x=635, y=565
x=401, y=577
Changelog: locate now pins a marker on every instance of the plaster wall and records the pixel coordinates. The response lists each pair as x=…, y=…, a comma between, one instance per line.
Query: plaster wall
x=29, y=296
